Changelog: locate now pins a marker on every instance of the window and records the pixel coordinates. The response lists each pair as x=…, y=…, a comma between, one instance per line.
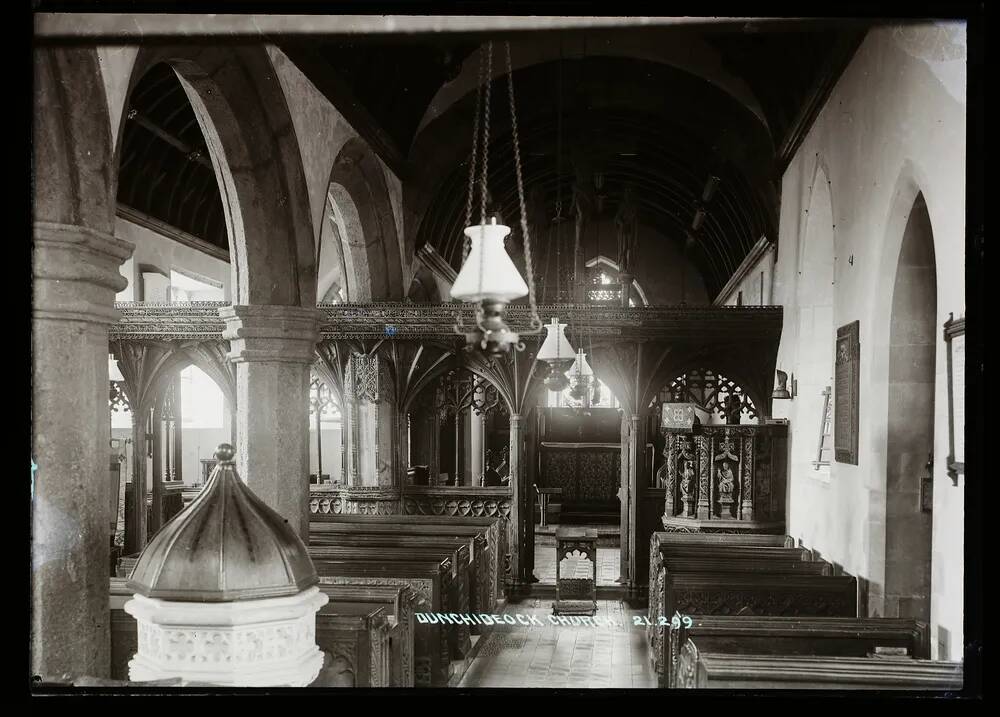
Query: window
x=202, y=401
x=186, y=287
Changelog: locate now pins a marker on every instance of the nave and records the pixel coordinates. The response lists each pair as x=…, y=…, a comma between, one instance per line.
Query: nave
x=351, y=336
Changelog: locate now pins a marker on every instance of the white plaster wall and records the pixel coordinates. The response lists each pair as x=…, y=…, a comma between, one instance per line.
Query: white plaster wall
x=893, y=126
x=163, y=253
x=751, y=284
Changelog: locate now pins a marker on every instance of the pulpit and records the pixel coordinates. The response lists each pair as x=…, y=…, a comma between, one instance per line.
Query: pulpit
x=725, y=478
x=576, y=592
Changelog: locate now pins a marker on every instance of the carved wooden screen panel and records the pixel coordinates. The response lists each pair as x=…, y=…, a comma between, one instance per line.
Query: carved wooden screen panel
x=847, y=389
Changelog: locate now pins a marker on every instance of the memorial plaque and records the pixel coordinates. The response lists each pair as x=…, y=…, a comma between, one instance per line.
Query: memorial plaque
x=846, y=395
x=678, y=417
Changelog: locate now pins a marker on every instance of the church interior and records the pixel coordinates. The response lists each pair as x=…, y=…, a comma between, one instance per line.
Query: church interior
x=469, y=352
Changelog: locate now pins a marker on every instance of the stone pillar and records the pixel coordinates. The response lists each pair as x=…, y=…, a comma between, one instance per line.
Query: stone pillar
x=273, y=348
x=75, y=271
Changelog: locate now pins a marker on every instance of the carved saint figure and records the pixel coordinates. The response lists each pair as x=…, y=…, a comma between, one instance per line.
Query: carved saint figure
x=687, y=478
x=734, y=406
x=726, y=481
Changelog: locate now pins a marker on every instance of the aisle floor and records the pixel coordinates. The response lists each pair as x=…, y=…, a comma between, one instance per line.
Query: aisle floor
x=564, y=656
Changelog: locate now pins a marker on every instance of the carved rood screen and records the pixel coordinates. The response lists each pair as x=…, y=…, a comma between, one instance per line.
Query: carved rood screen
x=711, y=392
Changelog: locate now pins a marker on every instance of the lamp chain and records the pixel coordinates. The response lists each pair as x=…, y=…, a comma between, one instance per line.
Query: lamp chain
x=536, y=322
x=474, y=160
x=486, y=133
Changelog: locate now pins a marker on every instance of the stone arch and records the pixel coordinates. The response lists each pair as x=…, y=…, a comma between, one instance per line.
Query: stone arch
x=907, y=198
x=369, y=243
x=73, y=168
x=337, y=273
x=247, y=126
x=910, y=420
x=211, y=361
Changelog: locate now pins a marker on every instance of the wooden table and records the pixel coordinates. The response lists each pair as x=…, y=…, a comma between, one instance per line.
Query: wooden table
x=576, y=596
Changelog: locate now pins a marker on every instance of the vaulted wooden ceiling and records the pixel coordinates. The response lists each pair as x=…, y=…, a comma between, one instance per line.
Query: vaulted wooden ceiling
x=661, y=131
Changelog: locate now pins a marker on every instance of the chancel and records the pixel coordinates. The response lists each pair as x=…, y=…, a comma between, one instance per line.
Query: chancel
x=468, y=352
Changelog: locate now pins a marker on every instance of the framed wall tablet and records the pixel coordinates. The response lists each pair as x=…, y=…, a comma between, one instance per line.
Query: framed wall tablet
x=847, y=389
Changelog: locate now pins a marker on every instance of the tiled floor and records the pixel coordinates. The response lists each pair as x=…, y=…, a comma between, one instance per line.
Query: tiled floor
x=553, y=656
x=608, y=567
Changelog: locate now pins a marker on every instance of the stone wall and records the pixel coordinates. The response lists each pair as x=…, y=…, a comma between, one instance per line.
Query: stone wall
x=892, y=129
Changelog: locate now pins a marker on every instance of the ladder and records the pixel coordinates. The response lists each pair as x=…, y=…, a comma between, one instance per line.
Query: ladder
x=825, y=433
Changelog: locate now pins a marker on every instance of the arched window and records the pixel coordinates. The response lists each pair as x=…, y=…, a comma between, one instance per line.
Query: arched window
x=715, y=397
x=604, y=285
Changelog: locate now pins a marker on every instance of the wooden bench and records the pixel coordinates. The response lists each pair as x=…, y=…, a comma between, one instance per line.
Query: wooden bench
x=835, y=636
x=457, y=587
x=475, y=545
x=430, y=580
x=124, y=631
x=496, y=533
x=485, y=553
x=760, y=594
x=401, y=602
x=355, y=639
x=724, y=553
x=801, y=672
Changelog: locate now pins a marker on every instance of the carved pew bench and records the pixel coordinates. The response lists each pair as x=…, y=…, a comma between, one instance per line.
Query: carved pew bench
x=765, y=635
x=496, y=528
x=484, y=556
x=800, y=672
x=456, y=595
x=430, y=580
x=355, y=639
x=401, y=603
x=747, y=554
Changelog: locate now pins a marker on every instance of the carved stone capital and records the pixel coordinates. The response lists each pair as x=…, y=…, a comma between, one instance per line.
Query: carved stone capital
x=76, y=275
x=271, y=334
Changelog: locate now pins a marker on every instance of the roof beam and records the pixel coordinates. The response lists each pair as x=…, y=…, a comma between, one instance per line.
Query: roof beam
x=143, y=26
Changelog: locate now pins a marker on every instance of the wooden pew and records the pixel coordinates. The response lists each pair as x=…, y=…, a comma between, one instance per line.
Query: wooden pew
x=760, y=594
x=496, y=533
x=725, y=553
x=430, y=580
x=401, y=602
x=355, y=639
x=456, y=594
x=801, y=672
x=485, y=554
x=834, y=636
x=124, y=631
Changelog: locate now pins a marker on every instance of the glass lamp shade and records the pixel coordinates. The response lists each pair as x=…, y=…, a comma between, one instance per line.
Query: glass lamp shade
x=488, y=272
x=556, y=348
x=580, y=368
x=114, y=373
